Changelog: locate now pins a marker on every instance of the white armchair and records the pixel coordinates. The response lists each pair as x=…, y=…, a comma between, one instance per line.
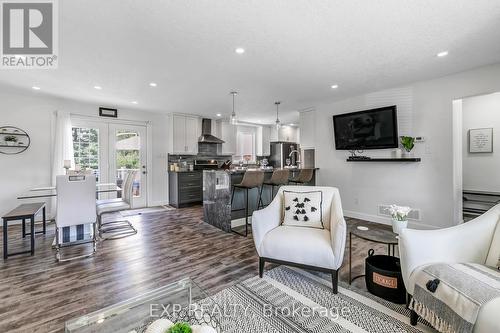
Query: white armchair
x=477, y=241
x=309, y=248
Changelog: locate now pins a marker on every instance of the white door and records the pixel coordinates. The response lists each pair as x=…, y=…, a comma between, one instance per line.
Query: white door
x=127, y=152
x=111, y=149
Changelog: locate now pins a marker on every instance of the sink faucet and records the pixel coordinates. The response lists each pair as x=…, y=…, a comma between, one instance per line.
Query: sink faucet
x=298, y=155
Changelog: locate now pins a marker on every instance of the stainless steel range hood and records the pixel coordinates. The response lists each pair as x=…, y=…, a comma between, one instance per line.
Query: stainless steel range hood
x=206, y=133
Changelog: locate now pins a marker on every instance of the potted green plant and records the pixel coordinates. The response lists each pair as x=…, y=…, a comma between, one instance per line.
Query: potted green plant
x=180, y=328
x=408, y=142
x=10, y=140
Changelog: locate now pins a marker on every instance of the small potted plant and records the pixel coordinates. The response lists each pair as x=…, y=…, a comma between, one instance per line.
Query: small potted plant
x=180, y=328
x=408, y=142
x=10, y=140
x=399, y=217
x=166, y=326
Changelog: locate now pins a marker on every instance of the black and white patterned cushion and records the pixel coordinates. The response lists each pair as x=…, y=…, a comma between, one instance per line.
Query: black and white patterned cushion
x=303, y=209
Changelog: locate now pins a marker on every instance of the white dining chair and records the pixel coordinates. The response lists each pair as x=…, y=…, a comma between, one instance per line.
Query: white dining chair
x=117, y=228
x=75, y=206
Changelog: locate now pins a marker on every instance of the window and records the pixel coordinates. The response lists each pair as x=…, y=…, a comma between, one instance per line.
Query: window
x=245, y=144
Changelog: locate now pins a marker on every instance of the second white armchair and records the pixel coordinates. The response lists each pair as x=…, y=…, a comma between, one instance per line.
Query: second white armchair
x=303, y=247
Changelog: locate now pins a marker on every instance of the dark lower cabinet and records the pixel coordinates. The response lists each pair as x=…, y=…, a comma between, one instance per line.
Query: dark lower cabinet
x=185, y=188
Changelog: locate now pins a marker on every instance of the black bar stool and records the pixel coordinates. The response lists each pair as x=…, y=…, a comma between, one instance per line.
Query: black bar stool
x=251, y=179
x=304, y=177
x=279, y=177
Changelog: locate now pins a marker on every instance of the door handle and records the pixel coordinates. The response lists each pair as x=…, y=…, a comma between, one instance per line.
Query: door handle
x=144, y=172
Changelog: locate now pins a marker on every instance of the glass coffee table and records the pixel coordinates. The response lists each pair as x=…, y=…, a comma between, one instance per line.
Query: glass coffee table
x=181, y=301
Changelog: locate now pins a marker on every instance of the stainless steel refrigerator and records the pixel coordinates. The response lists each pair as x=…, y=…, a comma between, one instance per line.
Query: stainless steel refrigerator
x=281, y=151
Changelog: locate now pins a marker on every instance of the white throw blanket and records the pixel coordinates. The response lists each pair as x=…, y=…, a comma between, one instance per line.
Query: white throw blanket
x=449, y=296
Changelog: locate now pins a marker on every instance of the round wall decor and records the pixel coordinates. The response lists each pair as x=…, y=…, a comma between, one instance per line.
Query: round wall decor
x=13, y=140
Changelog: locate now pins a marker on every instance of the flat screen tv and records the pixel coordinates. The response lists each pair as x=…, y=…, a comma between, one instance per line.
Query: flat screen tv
x=369, y=129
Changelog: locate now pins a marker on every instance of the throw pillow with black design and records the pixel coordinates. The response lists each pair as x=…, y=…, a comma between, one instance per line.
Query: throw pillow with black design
x=303, y=209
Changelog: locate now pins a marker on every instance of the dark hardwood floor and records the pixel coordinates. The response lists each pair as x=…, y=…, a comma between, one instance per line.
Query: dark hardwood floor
x=38, y=294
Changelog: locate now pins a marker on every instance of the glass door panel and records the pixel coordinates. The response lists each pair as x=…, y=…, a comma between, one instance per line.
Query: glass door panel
x=90, y=145
x=128, y=147
x=86, y=149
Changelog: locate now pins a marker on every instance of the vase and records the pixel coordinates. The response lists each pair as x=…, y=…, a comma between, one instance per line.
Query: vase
x=398, y=153
x=397, y=226
x=407, y=154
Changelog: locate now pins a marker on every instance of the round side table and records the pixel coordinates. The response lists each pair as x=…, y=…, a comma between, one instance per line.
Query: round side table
x=373, y=235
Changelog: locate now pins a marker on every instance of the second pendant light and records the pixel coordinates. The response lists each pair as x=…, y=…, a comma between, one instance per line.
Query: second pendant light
x=278, y=122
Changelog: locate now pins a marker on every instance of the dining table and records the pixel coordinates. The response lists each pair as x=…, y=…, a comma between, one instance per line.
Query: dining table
x=50, y=191
x=46, y=192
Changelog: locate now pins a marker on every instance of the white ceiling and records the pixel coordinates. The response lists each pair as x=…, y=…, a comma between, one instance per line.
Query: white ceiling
x=295, y=50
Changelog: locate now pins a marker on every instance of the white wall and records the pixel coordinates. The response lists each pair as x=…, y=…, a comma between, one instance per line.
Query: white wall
x=480, y=170
x=33, y=113
x=425, y=110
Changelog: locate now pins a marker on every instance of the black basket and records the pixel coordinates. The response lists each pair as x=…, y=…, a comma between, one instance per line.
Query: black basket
x=383, y=277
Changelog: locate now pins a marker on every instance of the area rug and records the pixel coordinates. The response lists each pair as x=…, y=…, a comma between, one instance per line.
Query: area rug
x=293, y=300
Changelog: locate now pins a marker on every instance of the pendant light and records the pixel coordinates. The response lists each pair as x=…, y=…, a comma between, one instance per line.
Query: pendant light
x=278, y=122
x=234, y=121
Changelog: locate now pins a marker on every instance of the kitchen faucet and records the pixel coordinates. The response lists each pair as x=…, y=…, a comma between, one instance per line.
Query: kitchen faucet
x=298, y=156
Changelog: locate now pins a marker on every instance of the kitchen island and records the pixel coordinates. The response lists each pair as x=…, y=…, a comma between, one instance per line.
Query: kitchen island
x=217, y=191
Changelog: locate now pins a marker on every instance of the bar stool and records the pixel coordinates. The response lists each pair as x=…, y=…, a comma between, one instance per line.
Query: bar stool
x=251, y=179
x=304, y=177
x=279, y=177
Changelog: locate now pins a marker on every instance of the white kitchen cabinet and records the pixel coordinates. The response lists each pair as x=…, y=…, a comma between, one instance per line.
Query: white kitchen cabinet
x=263, y=141
x=185, y=131
x=192, y=135
x=227, y=132
x=307, y=129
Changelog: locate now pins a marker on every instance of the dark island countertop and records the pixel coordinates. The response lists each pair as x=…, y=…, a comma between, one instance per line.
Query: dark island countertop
x=238, y=171
x=224, y=206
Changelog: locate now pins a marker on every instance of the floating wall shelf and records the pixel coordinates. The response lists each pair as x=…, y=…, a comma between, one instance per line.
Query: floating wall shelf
x=403, y=159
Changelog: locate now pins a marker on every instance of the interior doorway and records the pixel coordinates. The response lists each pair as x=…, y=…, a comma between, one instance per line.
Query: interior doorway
x=110, y=149
x=476, y=140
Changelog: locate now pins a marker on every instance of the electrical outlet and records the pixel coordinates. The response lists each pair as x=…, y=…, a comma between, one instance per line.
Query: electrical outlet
x=414, y=214
x=419, y=139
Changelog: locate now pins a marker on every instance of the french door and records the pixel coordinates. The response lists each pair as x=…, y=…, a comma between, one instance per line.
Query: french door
x=110, y=150
x=127, y=152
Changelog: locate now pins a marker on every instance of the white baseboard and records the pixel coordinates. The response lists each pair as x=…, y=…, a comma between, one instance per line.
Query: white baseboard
x=158, y=203
x=385, y=220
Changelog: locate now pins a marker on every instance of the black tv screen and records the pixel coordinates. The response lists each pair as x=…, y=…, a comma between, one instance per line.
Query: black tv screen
x=369, y=129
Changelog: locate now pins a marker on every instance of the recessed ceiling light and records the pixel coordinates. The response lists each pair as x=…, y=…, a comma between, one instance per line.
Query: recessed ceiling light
x=35, y=88
x=152, y=84
x=134, y=102
x=442, y=54
x=240, y=50
x=98, y=87
x=292, y=124
x=334, y=86
x=218, y=115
